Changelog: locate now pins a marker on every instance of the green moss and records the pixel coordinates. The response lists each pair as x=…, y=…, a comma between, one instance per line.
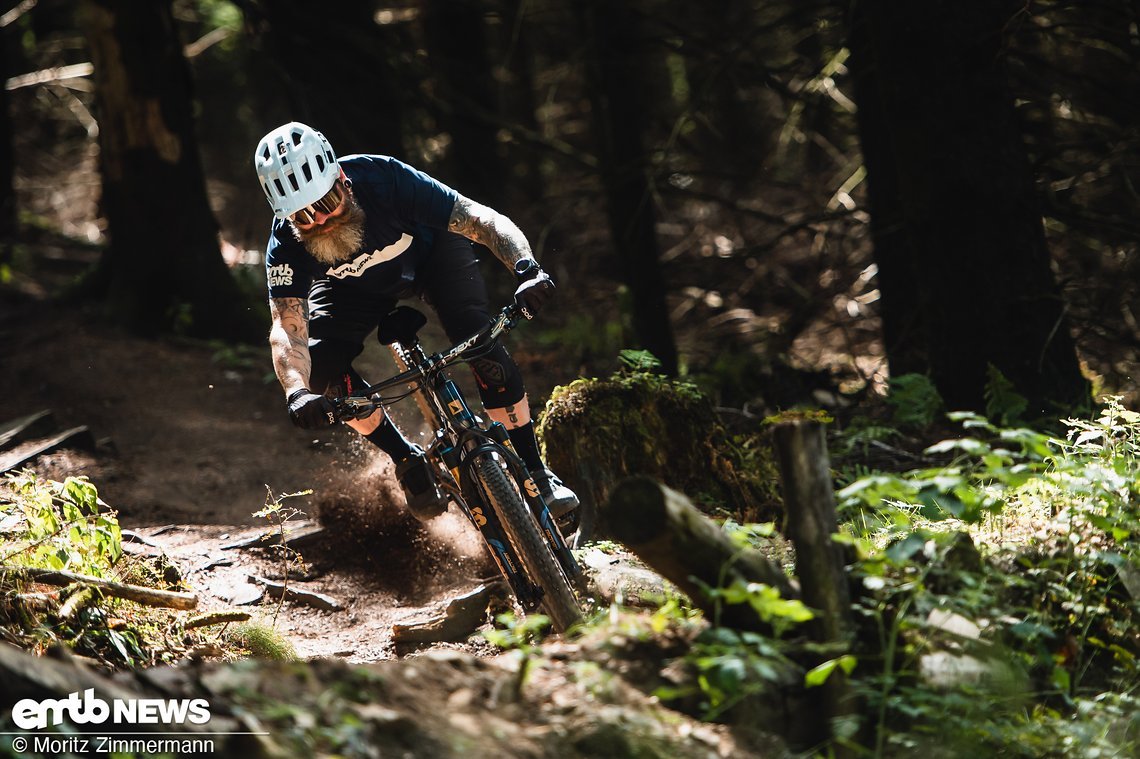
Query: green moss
x=799, y=415
x=595, y=432
x=262, y=642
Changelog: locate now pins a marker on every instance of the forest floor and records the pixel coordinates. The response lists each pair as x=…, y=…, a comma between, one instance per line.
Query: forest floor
x=193, y=439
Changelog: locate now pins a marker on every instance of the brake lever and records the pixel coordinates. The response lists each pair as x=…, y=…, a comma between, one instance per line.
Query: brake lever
x=354, y=407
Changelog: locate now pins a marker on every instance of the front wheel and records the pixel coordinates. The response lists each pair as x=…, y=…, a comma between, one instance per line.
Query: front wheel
x=558, y=599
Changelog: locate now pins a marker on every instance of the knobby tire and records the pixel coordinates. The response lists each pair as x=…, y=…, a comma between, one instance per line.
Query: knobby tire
x=558, y=599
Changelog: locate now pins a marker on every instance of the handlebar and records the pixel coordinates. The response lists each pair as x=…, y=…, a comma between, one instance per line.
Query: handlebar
x=367, y=400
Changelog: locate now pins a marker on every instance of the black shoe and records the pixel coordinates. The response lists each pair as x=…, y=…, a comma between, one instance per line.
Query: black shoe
x=560, y=499
x=425, y=501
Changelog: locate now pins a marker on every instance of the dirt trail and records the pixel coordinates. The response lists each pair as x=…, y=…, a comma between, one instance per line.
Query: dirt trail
x=374, y=594
x=192, y=435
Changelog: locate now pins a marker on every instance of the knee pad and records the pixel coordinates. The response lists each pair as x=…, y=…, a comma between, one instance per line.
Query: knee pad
x=499, y=379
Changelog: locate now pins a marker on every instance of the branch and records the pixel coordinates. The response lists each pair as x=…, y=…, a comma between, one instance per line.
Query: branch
x=148, y=596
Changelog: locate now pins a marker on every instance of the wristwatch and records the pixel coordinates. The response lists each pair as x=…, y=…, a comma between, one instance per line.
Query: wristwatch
x=525, y=268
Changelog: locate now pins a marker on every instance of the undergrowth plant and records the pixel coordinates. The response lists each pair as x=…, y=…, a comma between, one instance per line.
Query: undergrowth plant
x=279, y=515
x=58, y=525
x=1027, y=543
x=521, y=634
x=52, y=525
x=62, y=526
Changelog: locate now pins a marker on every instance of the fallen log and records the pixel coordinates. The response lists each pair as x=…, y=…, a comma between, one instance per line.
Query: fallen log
x=76, y=437
x=215, y=618
x=25, y=428
x=23, y=675
x=463, y=616
x=298, y=536
x=290, y=593
x=676, y=540
x=147, y=596
x=61, y=674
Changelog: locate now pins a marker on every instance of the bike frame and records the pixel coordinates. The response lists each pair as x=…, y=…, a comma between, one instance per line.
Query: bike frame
x=460, y=439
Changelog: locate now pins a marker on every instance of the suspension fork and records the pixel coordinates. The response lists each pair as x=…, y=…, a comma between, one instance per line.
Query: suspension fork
x=460, y=459
x=490, y=527
x=537, y=504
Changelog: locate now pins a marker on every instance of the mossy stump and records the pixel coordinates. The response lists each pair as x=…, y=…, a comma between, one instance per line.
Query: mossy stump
x=596, y=432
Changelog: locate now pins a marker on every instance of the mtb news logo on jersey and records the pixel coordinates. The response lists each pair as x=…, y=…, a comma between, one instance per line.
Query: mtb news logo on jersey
x=281, y=274
x=89, y=709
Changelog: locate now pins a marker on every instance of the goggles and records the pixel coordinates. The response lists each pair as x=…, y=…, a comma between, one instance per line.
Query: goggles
x=326, y=204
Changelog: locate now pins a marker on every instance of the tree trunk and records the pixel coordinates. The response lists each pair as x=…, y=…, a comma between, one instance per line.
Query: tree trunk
x=726, y=129
x=964, y=270
x=338, y=71
x=615, y=60
x=163, y=269
x=8, y=224
x=516, y=99
x=687, y=548
x=457, y=46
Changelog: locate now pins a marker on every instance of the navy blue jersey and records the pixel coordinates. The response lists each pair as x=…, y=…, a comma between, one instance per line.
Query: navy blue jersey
x=404, y=209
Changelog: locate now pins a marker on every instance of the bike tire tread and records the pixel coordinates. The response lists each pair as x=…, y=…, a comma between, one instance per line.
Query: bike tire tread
x=522, y=530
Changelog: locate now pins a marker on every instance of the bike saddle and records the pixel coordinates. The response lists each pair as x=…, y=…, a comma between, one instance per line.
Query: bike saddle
x=400, y=326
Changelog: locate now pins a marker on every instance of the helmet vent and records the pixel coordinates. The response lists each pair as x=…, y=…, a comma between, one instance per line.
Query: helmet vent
x=296, y=166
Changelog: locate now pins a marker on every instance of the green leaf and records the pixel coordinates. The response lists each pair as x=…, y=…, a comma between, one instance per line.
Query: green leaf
x=817, y=676
x=1003, y=402
x=82, y=493
x=639, y=361
x=915, y=400
x=968, y=445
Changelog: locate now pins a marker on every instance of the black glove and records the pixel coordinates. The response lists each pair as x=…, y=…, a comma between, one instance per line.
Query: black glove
x=535, y=287
x=310, y=411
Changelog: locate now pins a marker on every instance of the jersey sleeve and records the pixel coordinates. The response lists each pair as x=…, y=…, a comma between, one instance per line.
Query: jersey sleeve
x=416, y=197
x=286, y=266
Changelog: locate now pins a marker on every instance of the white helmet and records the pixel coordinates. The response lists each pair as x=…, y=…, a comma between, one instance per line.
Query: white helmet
x=296, y=166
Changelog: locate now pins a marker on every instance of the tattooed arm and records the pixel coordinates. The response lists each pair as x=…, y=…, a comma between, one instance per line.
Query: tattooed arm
x=487, y=226
x=289, y=341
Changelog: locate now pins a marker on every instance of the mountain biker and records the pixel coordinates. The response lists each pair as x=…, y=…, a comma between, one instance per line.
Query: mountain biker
x=349, y=239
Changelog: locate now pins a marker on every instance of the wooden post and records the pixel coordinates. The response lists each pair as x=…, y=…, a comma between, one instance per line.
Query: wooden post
x=809, y=503
x=673, y=537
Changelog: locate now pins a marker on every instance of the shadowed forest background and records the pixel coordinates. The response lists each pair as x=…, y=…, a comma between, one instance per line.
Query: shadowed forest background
x=869, y=213
x=775, y=197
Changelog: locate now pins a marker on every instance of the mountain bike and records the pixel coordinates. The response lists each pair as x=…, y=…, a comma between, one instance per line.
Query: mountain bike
x=477, y=467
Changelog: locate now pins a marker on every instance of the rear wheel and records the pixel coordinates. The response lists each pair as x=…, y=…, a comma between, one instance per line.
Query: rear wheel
x=558, y=599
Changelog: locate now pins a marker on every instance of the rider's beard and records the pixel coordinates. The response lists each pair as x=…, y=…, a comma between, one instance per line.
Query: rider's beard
x=338, y=239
